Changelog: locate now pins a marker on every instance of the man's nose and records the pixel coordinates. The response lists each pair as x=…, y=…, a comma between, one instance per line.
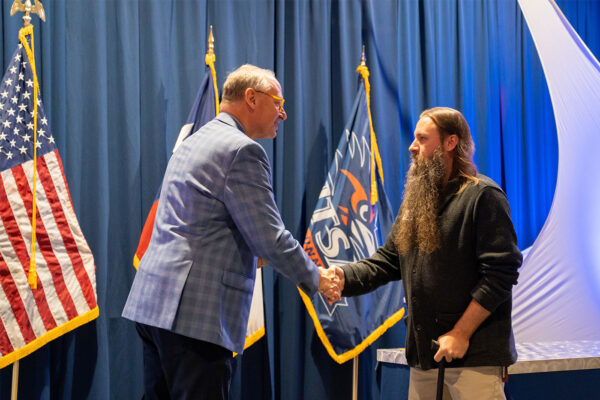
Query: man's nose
x=413, y=148
x=283, y=114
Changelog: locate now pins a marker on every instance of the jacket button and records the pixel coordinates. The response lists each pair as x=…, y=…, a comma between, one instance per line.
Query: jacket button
x=419, y=328
x=414, y=270
x=414, y=300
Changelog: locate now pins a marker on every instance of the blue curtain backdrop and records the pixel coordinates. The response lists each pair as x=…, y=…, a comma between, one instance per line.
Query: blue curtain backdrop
x=119, y=77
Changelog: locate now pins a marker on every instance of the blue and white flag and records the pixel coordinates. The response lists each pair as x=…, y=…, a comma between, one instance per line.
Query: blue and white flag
x=205, y=108
x=348, y=224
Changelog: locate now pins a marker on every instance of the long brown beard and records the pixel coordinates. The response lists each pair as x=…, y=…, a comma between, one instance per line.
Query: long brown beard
x=418, y=227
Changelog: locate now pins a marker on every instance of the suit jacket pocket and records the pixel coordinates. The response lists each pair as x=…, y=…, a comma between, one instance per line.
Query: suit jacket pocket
x=238, y=281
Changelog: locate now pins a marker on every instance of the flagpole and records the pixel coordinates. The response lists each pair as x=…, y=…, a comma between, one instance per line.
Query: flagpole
x=15, y=381
x=355, y=378
x=38, y=9
x=364, y=72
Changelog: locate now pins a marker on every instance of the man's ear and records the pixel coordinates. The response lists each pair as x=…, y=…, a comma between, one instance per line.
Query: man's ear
x=450, y=142
x=250, y=98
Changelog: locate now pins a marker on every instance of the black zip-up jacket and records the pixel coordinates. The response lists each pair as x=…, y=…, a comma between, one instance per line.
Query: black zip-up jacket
x=478, y=259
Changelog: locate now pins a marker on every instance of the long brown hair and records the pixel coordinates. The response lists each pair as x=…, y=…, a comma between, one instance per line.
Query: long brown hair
x=451, y=122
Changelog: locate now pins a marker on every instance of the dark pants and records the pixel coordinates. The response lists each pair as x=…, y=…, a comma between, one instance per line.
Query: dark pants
x=179, y=367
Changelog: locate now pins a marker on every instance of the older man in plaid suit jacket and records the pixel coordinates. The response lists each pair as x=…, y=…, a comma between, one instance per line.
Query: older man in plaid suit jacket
x=192, y=293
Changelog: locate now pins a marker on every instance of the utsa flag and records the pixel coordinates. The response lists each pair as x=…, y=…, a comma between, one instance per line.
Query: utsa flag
x=351, y=218
x=41, y=300
x=205, y=108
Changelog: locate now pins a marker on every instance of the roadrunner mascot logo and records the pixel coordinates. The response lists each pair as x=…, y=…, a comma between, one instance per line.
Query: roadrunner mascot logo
x=343, y=228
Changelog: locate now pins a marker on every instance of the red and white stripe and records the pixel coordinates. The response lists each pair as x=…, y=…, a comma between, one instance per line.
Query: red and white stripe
x=65, y=265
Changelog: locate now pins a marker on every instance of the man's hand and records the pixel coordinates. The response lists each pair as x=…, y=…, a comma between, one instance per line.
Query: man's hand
x=335, y=292
x=329, y=284
x=341, y=276
x=453, y=345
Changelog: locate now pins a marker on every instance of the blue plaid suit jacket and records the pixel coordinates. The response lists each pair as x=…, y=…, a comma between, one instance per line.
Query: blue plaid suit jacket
x=216, y=212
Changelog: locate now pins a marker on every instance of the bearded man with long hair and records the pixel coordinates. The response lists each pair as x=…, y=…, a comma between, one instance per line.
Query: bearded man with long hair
x=454, y=246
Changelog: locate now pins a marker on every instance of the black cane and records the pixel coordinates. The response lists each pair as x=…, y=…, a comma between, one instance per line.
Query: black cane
x=435, y=345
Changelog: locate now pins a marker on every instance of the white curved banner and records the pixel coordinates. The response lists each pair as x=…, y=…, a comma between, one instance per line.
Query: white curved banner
x=558, y=295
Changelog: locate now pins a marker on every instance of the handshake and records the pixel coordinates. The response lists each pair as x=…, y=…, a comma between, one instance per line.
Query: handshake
x=331, y=283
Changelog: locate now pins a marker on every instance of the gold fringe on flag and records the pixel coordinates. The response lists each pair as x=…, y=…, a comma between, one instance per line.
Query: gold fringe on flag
x=23, y=33
x=375, y=157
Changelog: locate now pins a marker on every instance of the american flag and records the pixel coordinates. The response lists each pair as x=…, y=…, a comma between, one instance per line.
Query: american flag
x=65, y=297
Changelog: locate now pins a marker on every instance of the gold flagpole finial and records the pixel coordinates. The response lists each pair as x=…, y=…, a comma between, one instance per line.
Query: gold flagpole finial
x=210, y=59
x=363, y=61
x=210, y=54
x=27, y=8
x=211, y=42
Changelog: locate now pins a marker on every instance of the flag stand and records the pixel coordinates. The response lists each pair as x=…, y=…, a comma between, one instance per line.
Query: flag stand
x=38, y=9
x=355, y=378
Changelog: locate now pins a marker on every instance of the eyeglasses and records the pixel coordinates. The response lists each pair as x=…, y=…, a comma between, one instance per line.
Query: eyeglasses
x=277, y=98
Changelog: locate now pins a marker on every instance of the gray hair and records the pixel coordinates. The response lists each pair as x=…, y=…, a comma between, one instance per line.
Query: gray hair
x=246, y=76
